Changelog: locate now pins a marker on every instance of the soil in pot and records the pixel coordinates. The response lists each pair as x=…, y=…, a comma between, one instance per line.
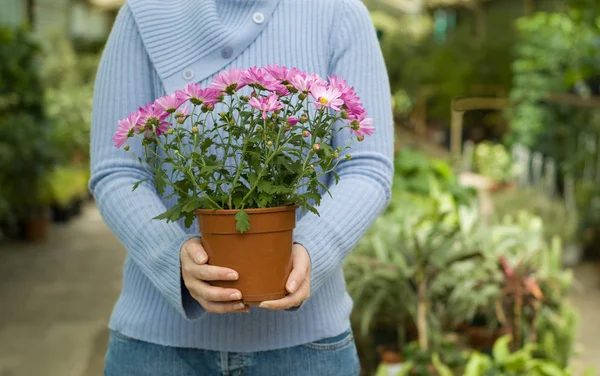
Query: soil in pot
x=261, y=255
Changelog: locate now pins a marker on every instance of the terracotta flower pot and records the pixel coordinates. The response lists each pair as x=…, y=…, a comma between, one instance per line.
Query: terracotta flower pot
x=261, y=255
x=36, y=229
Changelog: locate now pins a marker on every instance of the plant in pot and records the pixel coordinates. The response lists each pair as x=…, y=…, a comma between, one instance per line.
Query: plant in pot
x=241, y=156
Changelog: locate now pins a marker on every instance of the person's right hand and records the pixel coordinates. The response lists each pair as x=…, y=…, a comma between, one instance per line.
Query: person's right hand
x=195, y=272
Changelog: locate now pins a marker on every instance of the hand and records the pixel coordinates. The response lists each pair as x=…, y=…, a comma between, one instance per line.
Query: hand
x=298, y=283
x=195, y=272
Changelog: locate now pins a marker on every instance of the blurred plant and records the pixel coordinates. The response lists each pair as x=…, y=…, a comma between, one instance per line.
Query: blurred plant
x=557, y=219
x=494, y=161
x=71, y=109
x=522, y=362
x=25, y=130
x=556, y=330
x=552, y=51
x=418, y=177
x=440, y=363
x=69, y=76
x=395, y=268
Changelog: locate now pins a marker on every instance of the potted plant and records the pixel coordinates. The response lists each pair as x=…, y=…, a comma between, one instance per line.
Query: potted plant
x=245, y=153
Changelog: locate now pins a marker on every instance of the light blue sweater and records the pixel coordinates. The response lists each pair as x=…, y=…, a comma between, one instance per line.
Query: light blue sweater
x=155, y=48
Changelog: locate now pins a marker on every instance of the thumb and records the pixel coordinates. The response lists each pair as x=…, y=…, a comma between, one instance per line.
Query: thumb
x=300, y=268
x=195, y=251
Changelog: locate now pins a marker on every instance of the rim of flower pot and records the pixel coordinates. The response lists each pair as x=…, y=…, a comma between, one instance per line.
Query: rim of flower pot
x=275, y=209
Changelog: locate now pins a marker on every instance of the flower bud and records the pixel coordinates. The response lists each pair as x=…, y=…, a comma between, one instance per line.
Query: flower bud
x=316, y=146
x=287, y=129
x=312, y=166
x=254, y=94
x=126, y=147
x=194, y=129
x=302, y=96
x=231, y=122
x=222, y=114
x=348, y=157
x=303, y=118
x=338, y=149
x=270, y=143
x=258, y=128
x=306, y=133
x=360, y=138
x=336, y=155
x=180, y=120
x=170, y=131
x=292, y=120
x=276, y=112
x=291, y=89
x=142, y=128
x=344, y=115
x=210, y=107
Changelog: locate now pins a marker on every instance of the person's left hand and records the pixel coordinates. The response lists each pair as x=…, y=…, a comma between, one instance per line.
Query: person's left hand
x=298, y=283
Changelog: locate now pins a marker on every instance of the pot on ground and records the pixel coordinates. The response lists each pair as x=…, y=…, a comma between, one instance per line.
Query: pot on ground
x=261, y=255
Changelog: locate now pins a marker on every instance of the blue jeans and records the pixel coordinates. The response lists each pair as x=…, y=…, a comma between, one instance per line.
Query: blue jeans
x=335, y=356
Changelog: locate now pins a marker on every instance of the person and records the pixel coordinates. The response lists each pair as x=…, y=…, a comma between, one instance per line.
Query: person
x=168, y=319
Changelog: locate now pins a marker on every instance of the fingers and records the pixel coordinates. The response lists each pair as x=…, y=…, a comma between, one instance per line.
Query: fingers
x=292, y=300
x=214, y=273
x=217, y=299
x=195, y=251
x=298, y=283
x=300, y=269
x=215, y=307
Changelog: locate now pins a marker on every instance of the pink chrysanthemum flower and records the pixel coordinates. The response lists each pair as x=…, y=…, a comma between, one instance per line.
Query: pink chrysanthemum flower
x=353, y=103
x=361, y=126
x=263, y=80
x=169, y=103
x=126, y=129
x=198, y=96
x=152, y=117
x=306, y=83
x=282, y=73
x=229, y=81
x=340, y=84
x=266, y=104
x=182, y=113
x=327, y=97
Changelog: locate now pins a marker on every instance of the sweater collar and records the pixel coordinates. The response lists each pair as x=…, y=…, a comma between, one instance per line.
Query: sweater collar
x=191, y=40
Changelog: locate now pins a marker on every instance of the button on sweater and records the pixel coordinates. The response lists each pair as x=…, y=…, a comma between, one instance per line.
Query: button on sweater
x=158, y=46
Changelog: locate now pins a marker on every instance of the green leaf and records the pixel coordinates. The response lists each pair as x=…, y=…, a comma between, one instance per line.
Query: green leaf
x=243, y=221
x=160, y=181
x=442, y=369
x=137, y=184
x=501, y=350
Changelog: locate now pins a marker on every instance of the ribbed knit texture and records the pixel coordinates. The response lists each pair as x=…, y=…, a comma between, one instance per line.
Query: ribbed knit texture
x=154, y=47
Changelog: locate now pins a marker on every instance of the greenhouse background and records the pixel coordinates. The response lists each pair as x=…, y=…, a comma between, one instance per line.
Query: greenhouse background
x=486, y=262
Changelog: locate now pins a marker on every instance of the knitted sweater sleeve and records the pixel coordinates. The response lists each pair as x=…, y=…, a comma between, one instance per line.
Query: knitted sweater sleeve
x=365, y=181
x=125, y=81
